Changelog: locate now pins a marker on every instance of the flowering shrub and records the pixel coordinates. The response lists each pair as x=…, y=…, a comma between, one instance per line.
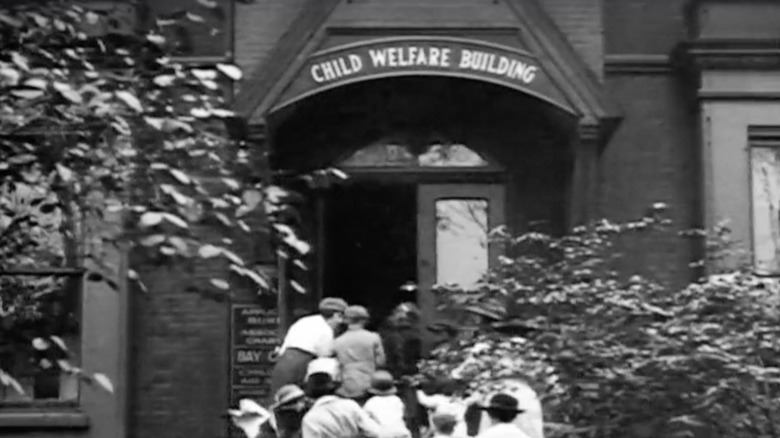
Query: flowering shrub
x=621, y=357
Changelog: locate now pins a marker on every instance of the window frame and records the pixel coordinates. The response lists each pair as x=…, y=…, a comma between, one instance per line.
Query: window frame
x=72, y=269
x=764, y=137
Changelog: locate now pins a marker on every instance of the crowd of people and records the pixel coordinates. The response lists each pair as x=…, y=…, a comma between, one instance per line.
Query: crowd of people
x=357, y=384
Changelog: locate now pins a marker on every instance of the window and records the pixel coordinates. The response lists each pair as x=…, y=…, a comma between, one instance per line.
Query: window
x=208, y=31
x=394, y=155
x=40, y=296
x=203, y=31
x=461, y=241
x=765, y=199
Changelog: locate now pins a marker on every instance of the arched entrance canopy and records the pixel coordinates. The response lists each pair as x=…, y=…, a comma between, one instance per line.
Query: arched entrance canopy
x=423, y=56
x=512, y=43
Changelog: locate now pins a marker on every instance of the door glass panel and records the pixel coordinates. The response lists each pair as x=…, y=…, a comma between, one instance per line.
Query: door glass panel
x=455, y=155
x=461, y=241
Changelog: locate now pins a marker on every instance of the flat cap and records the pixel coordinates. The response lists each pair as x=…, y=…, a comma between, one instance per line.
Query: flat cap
x=356, y=313
x=331, y=303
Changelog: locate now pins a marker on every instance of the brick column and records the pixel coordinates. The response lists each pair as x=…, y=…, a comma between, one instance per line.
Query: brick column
x=584, y=197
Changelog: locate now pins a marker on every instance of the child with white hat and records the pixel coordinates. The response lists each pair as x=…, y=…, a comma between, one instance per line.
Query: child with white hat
x=386, y=407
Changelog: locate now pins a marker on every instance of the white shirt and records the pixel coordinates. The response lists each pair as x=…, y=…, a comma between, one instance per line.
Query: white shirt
x=503, y=430
x=451, y=405
x=336, y=417
x=388, y=411
x=311, y=334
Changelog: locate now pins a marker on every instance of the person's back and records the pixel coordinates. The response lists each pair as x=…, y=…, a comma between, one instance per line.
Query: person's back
x=502, y=410
x=385, y=407
x=334, y=417
x=360, y=353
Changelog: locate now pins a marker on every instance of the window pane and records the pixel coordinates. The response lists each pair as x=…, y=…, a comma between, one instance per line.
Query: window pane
x=34, y=306
x=461, y=241
x=765, y=163
x=380, y=155
x=207, y=34
x=453, y=155
x=37, y=241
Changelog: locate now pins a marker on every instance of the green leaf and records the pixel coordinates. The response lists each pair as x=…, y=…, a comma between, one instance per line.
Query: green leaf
x=220, y=284
x=196, y=18
x=104, y=382
x=60, y=343
x=180, y=176
x=10, y=20
x=27, y=94
x=64, y=173
x=130, y=100
x=152, y=240
x=67, y=92
x=40, y=344
x=38, y=83
x=175, y=220
x=230, y=70
x=156, y=39
x=204, y=74
x=7, y=380
x=209, y=251
x=150, y=219
x=164, y=80
x=211, y=4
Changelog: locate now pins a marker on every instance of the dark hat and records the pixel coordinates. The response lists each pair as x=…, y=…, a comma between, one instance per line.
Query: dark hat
x=287, y=394
x=382, y=383
x=356, y=313
x=332, y=304
x=442, y=419
x=504, y=403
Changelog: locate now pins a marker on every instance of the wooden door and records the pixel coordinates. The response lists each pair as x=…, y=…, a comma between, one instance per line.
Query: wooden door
x=453, y=225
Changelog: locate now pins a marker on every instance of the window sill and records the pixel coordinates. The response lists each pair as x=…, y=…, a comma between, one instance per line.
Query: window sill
x=42, y=419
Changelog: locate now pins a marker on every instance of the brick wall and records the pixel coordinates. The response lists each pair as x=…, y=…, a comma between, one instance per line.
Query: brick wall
x=180, y=341
x=643, y=26
x=654, y=155
x=180, y=361
x=258, y=26
x=581, y=22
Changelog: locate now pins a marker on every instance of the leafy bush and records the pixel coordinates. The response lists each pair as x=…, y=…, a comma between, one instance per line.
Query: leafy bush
x=613, y=356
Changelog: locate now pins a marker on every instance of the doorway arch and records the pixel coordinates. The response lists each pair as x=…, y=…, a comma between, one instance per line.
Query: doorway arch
x=421, y=146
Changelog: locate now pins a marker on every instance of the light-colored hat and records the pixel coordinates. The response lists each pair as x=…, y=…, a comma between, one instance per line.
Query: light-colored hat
x=382, y=383
x=331, y=303
x=356, y=313
x=286, y=394
x=327, y=365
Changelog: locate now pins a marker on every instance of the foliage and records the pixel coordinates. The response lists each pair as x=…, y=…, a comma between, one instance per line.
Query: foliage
x=130, y=148
x=613, y=356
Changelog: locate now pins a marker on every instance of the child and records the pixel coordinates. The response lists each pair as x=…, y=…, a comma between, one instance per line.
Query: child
x=443, y=401
x=443, y=424
x=386, y=407
x=360, y=353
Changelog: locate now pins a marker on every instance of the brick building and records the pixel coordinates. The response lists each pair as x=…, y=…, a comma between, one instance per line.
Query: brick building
x=448, y=115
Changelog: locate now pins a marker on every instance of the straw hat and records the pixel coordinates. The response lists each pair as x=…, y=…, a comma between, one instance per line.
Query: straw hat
x=382, y=383
x=287, y=394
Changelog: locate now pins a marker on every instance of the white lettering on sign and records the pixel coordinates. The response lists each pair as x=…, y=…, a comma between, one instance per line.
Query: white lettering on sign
x=251, y=356
x=336, y=68
x=498, y=65
x=424, y=56
x=410, y=57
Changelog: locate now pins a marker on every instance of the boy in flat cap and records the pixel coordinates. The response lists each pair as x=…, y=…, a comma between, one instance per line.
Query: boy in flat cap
x=360, y=353
x=308, y=338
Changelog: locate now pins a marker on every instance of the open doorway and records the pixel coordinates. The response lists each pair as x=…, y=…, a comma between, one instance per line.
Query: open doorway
x=371, y=245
